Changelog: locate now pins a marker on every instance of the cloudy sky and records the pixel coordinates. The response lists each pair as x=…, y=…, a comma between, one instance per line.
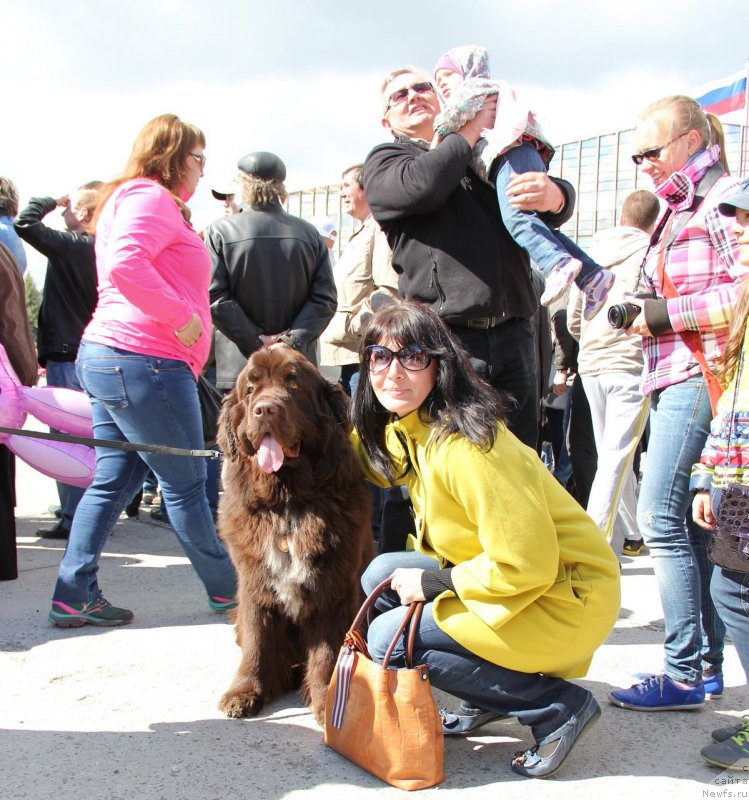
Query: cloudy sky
x=301, y=77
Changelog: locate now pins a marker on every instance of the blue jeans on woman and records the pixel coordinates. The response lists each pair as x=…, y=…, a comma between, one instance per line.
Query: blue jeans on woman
x=140, y=398
x=541, y=702
x=62, y=373
x=679, y=423
x=546, y=246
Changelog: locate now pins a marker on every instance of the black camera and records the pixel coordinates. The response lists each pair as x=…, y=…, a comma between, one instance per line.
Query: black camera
x=623, y=315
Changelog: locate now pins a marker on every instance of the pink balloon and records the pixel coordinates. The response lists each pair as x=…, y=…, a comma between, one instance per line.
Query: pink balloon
x=66, y=410
x=64, y=461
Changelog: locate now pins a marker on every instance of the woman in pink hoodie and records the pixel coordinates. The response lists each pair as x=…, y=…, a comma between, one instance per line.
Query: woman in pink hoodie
x=139, y=359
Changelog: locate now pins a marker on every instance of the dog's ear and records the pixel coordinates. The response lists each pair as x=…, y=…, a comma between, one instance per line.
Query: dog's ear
x=338, y=403
x=228, y=420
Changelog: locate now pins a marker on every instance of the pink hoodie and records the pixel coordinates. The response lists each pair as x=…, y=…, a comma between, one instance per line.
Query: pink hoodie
x=154, y=272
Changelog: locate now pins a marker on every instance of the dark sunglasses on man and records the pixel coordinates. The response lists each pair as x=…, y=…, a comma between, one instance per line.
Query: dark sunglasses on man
x=401, y=95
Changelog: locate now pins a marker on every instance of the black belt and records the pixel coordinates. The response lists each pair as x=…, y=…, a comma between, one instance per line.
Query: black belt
x=481, y=323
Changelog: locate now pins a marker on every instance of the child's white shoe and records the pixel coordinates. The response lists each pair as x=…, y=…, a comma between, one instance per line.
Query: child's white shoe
x=559, y=279
x=596, y=292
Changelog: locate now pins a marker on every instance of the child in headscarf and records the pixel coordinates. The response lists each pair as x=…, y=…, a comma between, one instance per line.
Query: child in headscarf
x=514, y=145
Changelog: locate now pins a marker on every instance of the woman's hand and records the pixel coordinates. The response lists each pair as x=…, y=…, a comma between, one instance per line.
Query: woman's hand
x=638, y=327
x=407, y=584
x=535, y=191
x=702, y=510
x=190, y=333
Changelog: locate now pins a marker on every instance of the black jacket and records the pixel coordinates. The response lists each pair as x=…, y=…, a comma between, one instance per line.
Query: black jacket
x=69, y=295
x=450, y=247
x=271, y=273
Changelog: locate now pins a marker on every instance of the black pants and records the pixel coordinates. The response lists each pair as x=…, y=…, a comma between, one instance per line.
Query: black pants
x=505, y=356
x=582, y=444
x=8, y=556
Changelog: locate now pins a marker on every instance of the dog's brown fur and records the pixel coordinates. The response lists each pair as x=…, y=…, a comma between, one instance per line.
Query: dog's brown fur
x=299, y=537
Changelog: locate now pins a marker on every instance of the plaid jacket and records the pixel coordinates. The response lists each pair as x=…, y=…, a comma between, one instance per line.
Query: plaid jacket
x=703, y=264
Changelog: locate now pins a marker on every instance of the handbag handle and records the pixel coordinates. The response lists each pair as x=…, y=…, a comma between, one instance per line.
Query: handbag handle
x=732, y=418
x=410, y=620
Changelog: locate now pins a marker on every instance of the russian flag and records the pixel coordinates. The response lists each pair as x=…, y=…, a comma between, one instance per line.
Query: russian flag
x=723, y=96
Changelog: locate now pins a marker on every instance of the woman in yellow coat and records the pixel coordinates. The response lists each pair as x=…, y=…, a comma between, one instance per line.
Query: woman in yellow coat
x=520, y=586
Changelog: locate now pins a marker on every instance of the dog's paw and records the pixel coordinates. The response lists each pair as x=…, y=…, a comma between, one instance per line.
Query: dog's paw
x=319, y=715
x=237, y=705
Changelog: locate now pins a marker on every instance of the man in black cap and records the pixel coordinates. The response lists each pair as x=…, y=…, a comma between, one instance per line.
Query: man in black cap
x=228, y=195
x=272, y=279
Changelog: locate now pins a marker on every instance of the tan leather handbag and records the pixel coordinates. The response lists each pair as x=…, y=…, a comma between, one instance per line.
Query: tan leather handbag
x=385, y=720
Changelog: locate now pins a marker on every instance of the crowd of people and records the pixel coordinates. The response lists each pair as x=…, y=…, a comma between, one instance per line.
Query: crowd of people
x=437, y=321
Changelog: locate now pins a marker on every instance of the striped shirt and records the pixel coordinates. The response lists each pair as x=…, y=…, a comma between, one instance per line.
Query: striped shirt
x=703, y=264
x=726, y=454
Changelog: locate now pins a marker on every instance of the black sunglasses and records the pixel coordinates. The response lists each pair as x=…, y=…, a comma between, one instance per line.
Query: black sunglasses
x=655, y=152
x=412, y=357
x=396, y=98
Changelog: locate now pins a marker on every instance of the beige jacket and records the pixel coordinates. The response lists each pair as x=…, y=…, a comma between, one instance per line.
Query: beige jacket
x=364, y=279
x=604, y=349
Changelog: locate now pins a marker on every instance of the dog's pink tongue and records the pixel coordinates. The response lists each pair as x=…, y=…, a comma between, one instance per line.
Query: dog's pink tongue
x=269, y=454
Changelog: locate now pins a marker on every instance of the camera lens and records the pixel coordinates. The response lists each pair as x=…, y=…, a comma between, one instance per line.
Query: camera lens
x=623, y=315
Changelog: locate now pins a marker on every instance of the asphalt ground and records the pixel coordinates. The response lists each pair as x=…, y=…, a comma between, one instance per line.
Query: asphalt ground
x=123, y=713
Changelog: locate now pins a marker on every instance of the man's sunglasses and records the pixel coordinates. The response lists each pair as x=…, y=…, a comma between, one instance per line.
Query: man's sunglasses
x=655, y=152
x=412, y=357
x=396, y=98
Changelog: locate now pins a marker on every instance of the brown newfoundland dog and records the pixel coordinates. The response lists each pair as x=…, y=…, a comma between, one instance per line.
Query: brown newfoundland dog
x=295, y=516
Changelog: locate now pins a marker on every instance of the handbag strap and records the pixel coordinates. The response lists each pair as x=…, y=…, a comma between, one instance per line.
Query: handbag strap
x=410, y=619
x=732, y=418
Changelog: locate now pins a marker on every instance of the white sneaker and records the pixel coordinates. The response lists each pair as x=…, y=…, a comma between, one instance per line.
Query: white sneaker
x=559, y=279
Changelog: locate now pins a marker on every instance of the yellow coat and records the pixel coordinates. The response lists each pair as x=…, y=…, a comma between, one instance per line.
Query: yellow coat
x=537, y=585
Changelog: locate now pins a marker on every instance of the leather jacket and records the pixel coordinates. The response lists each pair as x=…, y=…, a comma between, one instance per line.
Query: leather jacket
x=271, y=274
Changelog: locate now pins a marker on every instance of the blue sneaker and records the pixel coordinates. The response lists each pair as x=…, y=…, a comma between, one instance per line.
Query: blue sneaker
x=713, y=682
x=659, y=693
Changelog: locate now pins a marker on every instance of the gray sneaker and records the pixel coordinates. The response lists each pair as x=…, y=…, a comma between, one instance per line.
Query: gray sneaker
x=721, y=734
x=468, y=719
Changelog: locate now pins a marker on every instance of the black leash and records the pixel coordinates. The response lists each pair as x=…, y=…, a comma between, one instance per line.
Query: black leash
x=160, y=449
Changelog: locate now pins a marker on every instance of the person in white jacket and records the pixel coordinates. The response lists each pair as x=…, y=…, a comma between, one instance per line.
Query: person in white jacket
x=610, y=365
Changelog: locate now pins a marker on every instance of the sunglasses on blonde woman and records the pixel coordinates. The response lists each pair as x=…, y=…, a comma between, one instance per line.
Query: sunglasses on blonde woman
x=199, y=157
x=655, y=152
x=413, y=357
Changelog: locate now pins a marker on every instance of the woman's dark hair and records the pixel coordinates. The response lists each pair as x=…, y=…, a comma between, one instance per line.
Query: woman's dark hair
x=461, y=401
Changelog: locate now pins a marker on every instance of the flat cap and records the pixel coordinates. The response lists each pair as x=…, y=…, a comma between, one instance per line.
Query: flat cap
x=262, y=164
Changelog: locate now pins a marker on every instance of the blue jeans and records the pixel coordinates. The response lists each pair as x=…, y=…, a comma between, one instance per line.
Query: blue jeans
x=62, y=373
x=539, y=701
x=730, y=593
x=140, y=398
x=679, y=423
x=546, y=246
